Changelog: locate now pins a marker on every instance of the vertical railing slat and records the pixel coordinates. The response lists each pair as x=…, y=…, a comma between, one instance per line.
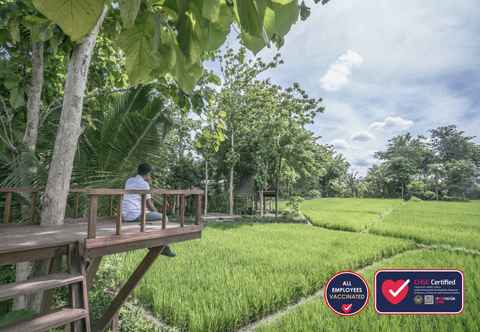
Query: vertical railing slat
x=7, y=211
x=110, y=206
x=77, y=205
x=198, y=209
x=164, y=212
x=118, y=220
x=143, y=213
x=34, y=206
x=92, y=216
x=182, y=210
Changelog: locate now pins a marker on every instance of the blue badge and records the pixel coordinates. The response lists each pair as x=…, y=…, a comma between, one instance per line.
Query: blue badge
x=419, y=292
x=346, y=293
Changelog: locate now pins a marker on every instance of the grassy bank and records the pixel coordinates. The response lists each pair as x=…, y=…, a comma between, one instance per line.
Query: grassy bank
x=347, y=213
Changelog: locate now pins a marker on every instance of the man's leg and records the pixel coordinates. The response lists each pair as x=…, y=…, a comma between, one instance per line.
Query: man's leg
x=154, y=216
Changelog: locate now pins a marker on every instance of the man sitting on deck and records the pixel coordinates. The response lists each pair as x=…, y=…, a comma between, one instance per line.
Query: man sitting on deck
x=132, y=203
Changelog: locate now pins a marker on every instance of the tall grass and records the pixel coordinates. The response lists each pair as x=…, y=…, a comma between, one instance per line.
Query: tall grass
x=239, y=272
x=315, y=316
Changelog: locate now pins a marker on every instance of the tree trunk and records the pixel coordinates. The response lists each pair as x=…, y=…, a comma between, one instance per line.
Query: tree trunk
x=69, y=130
x=34, y=98
x=231, y=182
x=23, y=270
x=261, y=202
x=230, y=192
x=277, y=185
x=205, y=212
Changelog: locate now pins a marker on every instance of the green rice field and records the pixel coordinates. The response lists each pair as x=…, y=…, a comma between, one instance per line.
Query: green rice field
x=456, y=224
x=449, y=223
x=240, y=272
x=315, y=316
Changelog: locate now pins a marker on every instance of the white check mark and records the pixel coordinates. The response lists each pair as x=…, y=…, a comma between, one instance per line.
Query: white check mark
x=399, y=290
x=348, y=307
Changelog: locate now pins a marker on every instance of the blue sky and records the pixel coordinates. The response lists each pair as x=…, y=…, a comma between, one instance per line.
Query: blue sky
x=384, y=68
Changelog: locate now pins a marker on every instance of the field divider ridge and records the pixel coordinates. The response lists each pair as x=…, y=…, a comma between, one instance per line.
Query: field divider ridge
x=381, y=216
x=448, y=247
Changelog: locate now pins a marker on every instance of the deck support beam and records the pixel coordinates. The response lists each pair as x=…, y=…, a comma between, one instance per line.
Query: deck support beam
x=92, y=269
x=127, y=289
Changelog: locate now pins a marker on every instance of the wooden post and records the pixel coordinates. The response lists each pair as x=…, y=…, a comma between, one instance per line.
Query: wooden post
x=7, y=208
x=92, y=217
x=79, y=292
x=182, y=210
x=118, y=220
x=34, y=206
x=110, y=206
x=77, y=205
x=164, y=214
x=143, y=213
x=198, y=209
x=122, y=295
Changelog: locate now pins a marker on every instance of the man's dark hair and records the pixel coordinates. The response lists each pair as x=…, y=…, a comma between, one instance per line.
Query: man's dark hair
x=144, y=169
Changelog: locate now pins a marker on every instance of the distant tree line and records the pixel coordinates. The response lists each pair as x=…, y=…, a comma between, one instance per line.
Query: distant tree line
x=443, y=166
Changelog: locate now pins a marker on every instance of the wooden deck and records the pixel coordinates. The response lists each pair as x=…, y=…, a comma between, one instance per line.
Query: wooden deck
x=28, y=239
x=84, y=241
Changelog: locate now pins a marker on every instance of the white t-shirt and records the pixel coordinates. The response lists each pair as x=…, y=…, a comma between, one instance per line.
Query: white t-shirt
x=132, y=203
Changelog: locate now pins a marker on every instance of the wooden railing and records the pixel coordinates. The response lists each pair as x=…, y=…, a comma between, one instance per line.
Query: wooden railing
x=93, y=195
x=7, y=207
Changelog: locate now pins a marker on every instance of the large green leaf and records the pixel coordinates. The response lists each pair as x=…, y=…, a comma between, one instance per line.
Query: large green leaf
x=254, y=44
x=128, y=11
x=14, y=30
x=215, y=36
x=249, y=17
x=189, y=31
x=137, y=43
x=280, y=18
x=75, y=17
x=211, y=9
x=187, y=75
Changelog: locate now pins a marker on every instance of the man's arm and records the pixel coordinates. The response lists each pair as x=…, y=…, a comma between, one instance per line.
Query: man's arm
x=151, y=206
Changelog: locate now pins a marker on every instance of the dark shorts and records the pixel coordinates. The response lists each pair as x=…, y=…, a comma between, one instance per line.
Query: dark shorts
x=151, y=216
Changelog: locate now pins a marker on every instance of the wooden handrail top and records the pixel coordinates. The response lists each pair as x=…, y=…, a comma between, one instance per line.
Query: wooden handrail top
x=110, y=191
x=35, y=190
x=107, y=191
x=18, y=190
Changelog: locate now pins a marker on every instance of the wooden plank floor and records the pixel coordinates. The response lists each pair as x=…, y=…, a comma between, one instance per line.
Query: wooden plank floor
x=14, y=238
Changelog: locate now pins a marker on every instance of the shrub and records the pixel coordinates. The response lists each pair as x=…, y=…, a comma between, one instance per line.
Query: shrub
x=415, y=199
x=294, y=204
x=428, y=195
x=314, y=193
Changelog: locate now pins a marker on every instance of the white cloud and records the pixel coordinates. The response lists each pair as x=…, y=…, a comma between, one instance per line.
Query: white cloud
x=339, y=73
x=411, y=79
x=362, y=137
x=340, y=144
x=391, y=122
